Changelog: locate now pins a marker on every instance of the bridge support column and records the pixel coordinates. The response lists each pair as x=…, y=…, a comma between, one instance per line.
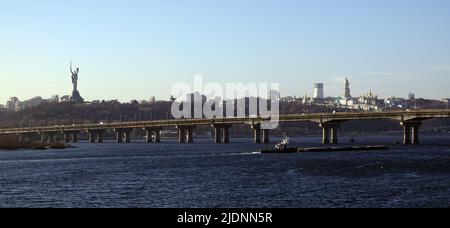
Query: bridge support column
x=92, y=136
x=51, y=137
x=181, y=135
x=406, y=133
x=100, y=136
x=415, y=133
x=222, y=133
x=226, y=134
x=330, y=132
x=334, y=135
x=217, y=134
x=411, y=132
x=75, y=137
x=119, y=135
x=149, y=135
x=43, y=138
x=190, y=134
x=325, y=135
x=66, y=138
x=70, y=136
x=153, y=135
x=257, y=133
x=266, y=136
x=158, y=136
x=127, y=135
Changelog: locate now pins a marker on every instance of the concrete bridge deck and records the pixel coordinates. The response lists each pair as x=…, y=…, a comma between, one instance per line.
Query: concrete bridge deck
x=410, y=120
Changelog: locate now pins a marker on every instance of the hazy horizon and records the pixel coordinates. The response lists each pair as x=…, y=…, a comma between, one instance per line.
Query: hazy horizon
x=137, y=49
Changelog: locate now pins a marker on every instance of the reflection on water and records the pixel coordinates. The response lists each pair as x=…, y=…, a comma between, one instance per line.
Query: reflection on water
x=235, y=175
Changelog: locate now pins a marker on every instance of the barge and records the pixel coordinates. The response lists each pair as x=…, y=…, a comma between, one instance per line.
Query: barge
x=283, y=148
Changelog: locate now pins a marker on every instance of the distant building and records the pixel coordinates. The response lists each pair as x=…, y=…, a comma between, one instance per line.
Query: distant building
x=446, y=101
x=394, y=102
x=274, y=94
x=318, y=91
x=306, y=100
x=368, y=99
x=35, y=101
x=54, y=99
x=347, y=99
x=347, y=91
x=289, y=99
x=65, y=98
x=152, y=99
x=411, y=96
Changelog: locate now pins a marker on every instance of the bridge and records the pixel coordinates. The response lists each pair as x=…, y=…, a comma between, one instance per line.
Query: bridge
x=329, y=122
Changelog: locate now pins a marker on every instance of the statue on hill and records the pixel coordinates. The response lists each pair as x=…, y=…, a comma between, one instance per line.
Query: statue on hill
x=76, y=97
x=74, y=77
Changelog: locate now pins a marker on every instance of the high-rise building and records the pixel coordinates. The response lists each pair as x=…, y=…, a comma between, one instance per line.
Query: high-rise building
x=318, y=91
x=347, y=91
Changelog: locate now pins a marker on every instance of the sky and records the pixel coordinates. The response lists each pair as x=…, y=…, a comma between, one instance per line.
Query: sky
x=136, y=49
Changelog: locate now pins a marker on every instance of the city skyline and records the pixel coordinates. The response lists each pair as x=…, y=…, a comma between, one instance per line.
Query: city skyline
x=138, y=49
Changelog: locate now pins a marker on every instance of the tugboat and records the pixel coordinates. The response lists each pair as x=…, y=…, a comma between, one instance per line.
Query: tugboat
x=281, y=147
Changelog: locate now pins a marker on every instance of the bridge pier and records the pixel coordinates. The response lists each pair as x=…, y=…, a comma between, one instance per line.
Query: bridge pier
x=96, y=136
x=75, y=137
x=411, y=132
x=226, y=134
x=123, y=135
x=406, y=133
x=119, y=135
x=43, y=137
x=415, y=133
x=186, y=134
x=222, y=133
x=266, y=136
x=334, y=135
x=181, y=135
x=257, y=133
x=217, y=135
x=148, y=135
x=127, y=135
x=330, y=132
x=99, y=138
x=66, y=137
x=92, y=136
x=190, y=135
x=70, y=136
x=52, y=137
x=48, y=137
x=158, y=136
x=150, y=132
x=325, y=135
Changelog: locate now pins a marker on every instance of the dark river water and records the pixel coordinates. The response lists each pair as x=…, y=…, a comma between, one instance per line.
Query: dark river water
x=208, y=175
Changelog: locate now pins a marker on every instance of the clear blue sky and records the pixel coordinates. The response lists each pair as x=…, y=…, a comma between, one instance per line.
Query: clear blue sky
x=136, y=49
